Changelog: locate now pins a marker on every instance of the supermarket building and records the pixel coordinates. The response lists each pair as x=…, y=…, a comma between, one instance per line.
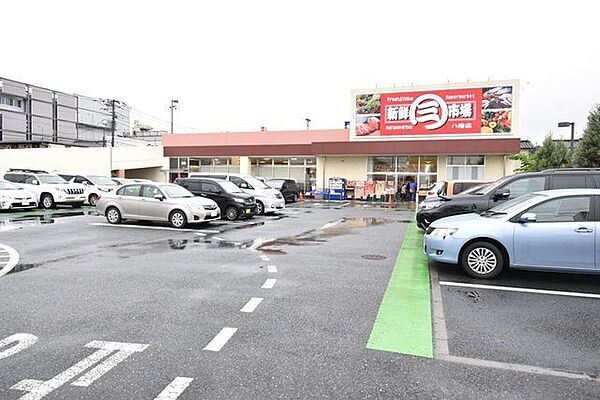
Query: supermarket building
x=423, y=134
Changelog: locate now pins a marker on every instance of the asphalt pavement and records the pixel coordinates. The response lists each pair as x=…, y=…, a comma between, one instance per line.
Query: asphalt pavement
x=276, y=307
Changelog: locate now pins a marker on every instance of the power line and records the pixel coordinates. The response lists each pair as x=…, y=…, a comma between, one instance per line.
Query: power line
x=163, y=120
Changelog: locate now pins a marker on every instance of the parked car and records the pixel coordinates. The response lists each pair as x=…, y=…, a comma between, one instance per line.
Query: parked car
x=15, y=197
x=232, y=200
x=431, y=202
x=268, y=200
x=550, y=230
x=157, y=202
x=288, y=188
x=125, y=181
x=95, y=185
x=49, y=189
x=432, y=191
x=508, y=188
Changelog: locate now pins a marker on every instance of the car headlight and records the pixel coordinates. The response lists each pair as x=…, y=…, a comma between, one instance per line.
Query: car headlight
x=239, y=200
x=443, y=231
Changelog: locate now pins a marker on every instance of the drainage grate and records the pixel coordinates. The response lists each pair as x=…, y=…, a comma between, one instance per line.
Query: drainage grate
x=374, y=257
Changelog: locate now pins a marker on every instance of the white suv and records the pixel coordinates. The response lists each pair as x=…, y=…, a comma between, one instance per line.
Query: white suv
x=49, y=189
x=95, y=185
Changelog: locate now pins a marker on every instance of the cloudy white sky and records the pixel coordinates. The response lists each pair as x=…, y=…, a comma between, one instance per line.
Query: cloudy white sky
x=239, y=65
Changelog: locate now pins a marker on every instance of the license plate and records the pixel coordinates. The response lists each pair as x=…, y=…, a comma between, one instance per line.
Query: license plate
x=213, y=213
x=248, y=211
x=25, y=203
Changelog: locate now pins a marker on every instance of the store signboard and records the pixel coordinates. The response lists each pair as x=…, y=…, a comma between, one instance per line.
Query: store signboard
x=485, y=109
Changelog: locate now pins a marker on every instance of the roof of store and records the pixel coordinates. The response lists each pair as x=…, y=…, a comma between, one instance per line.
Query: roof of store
x=323, y=142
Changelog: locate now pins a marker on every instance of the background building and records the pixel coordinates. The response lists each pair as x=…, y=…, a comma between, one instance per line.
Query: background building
x=31, y=116
x=420, y=134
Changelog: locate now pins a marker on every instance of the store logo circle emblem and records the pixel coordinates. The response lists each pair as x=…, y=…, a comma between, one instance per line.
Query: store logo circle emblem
x=429, y=108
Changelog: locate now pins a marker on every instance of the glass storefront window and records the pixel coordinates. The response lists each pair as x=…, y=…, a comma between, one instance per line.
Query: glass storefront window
x=194, y=165
x=408, y=163
x=383, y=164
x=220, y=164
x=428, y=164
x=297, y=161
x=465, y=167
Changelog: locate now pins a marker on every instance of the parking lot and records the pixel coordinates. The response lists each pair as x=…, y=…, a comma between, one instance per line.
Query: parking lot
x=299, y=304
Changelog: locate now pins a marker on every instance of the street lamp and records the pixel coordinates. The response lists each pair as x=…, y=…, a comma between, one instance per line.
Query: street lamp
x=572, y=125
x=173, y=106
x=307, y=123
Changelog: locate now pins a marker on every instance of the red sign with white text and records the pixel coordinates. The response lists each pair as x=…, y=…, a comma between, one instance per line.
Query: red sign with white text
x=482, y=110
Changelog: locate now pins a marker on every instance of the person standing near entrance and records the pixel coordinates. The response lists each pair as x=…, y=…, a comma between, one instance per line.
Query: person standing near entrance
x=412, y=190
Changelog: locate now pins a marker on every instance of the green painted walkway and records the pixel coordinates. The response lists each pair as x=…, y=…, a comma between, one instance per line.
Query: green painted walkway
x=403, y=323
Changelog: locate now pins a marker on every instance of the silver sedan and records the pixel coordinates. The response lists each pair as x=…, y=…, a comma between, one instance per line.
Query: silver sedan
x=157, y=202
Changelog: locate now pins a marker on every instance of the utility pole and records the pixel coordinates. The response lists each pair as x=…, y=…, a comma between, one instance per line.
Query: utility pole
x=307, y=123
x=172, y=107
x=113, y=125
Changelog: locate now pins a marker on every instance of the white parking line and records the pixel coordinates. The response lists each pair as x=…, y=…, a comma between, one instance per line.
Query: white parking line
x=264, y=257
x=156, y=228
x=221, y=339
x=269, y=283
x=123, y=350
x=520, y=289
x=207, y=231
x=175, y=388
x=271, y=269
x=21, y=342
x=251, y=304
x=9, y=258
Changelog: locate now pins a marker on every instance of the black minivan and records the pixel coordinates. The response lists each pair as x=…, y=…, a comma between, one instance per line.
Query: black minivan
x=232, y=201
x=288, y=188
x=508, y=188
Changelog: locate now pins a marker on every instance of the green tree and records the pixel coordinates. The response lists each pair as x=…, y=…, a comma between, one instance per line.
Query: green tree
x=551, y=154
x=587, y=153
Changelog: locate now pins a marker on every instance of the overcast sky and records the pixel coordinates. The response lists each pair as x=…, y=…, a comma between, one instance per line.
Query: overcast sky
x=239, y=65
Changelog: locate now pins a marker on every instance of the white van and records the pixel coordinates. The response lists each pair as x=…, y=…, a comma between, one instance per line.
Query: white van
x=268, y=200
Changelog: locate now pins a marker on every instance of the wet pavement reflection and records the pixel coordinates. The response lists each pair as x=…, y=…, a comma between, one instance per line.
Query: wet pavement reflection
x=9, y=222
x=340, y=227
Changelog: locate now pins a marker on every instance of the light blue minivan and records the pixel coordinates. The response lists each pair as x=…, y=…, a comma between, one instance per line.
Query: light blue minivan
x=553, y=230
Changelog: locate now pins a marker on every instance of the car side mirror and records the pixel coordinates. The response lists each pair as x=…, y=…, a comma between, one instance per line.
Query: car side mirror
x=159, y=197
x=528, y=217
x=502, y=194
x=35, y=182
x=86, y=183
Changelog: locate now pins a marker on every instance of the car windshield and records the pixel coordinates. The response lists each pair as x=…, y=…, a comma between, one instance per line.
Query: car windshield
x=230, y=187
x=276, y=183
x=6, y=185
x=51, y=179
x=515, y=205
x=493, y=186
x=475, y=189
x=255, y=183
x=175, y=191
x=101, y=180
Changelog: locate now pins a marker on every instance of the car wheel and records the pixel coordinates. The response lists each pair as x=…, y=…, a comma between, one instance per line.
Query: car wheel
x=47, y=201
x=260, y=208
x=232, y=213
x=482, y=260
x=113, y=215
x=93, y=199
x=177, y=219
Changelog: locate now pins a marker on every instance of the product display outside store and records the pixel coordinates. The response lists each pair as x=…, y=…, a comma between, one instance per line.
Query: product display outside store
x=470, y=110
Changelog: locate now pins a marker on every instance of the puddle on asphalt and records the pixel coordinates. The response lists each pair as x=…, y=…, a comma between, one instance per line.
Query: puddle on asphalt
x=49, y=217
x=341, y=227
